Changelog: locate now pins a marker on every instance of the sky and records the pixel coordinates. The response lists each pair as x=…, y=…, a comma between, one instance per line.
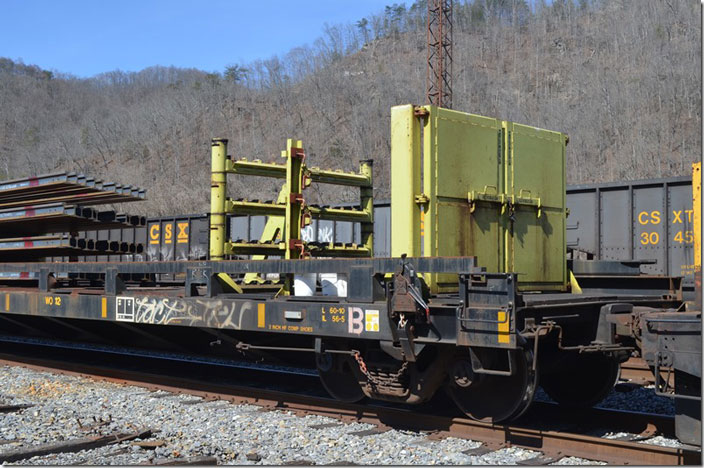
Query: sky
x=84, y=38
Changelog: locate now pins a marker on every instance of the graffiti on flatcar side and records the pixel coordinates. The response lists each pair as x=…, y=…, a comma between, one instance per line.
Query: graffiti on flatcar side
x=218, y=314
x=164, y=311
x=204, y=313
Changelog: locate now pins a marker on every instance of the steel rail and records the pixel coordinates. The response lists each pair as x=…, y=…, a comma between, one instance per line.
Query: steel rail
x=551, y=443
x=637, y=371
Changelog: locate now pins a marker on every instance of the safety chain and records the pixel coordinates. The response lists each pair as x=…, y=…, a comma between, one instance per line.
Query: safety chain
x=511, y=211
x=379, y=381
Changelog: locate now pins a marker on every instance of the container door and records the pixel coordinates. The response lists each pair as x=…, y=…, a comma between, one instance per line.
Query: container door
x=462, y=156
x=535, y=188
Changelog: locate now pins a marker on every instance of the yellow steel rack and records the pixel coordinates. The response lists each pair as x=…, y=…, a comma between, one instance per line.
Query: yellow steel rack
x=290, y=212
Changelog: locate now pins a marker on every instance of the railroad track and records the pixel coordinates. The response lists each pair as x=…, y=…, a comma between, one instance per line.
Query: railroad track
x=546, y=428
x=636, y=371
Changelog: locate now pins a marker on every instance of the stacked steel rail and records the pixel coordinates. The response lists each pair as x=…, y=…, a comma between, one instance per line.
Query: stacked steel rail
x=41, y=217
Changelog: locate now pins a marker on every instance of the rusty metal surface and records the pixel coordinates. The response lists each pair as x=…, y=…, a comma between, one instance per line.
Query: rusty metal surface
x=439, y=43
x=76, y=445
x=65, y=187
x=550, y=442
x=636, y=370
x=58, y=217
x=37, y=247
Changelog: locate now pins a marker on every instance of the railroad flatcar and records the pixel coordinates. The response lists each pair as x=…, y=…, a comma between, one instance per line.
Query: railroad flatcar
x=476, y=297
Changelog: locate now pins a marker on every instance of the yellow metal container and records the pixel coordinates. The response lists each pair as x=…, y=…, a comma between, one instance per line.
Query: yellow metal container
x=483, y=187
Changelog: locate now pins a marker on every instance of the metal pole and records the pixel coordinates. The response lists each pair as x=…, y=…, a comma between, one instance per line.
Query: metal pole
x=366, y=203
x=439, y=48
x=218, y=193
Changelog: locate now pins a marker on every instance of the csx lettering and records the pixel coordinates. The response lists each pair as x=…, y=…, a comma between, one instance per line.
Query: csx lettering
x=168, y=233
x=678, y=216
x=649, y=218
x=182, y=233
x=154, y=234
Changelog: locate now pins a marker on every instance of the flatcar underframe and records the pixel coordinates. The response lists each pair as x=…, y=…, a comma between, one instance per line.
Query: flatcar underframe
x=489, y=345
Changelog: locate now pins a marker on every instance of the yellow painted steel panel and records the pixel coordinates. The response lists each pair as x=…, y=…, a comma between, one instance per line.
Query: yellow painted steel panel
x=405, y=182
x=261, y=315
x=462, y=153
x=536, y=181
x=504, y=326
x=490, y=189
x=697, y=207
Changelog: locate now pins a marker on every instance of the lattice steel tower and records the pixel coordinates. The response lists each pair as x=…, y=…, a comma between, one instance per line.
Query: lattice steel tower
x=439, y=72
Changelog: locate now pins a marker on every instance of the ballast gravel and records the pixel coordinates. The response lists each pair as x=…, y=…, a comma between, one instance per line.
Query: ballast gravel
x=626, y=398
x=69, y=407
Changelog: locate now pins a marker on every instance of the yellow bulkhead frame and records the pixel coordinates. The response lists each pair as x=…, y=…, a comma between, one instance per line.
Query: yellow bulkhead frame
x=483, y=187
x=697, y=227
x=697, y=206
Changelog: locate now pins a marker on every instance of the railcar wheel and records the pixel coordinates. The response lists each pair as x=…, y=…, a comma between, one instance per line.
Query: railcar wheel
x=338, y=377
x=582, y=381
x=493, y=398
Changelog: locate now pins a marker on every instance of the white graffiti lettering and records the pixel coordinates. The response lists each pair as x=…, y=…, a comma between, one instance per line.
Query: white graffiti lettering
x=325, y=234
x=202, y=313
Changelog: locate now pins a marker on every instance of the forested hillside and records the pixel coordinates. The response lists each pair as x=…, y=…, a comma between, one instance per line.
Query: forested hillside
x=622, y=78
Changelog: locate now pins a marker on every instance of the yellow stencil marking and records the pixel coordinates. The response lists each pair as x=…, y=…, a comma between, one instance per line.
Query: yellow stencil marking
x=504, y=325
x=261, y=315
x=182, y=237
x=104, y=307
x=154, y=234
x=7, y=302
x=371, y=320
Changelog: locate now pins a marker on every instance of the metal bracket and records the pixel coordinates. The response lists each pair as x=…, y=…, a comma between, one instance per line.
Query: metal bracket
x=478, y=367
x=113, y=283
x=474, y=196
x=507, y=315
x=665, y=382
x=405, y=337
x=527, y=200
x=506, y=201
x=421, y=199
x=44, y=279
x=419, y=111
x=196, y=276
